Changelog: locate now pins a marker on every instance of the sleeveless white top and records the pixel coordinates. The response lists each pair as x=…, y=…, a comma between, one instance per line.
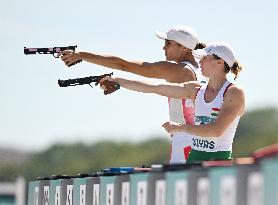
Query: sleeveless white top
x=182, y=111
x=207, y=113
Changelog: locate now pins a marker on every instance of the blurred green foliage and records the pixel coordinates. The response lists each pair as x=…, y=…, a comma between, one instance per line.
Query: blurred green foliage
x=73, y=159
x=257, y=129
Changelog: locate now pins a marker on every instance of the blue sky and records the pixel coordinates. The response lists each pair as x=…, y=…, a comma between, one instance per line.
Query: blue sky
x=35, y=112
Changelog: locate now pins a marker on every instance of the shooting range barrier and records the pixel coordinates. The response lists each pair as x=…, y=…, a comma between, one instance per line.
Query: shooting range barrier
x=13, y=193
x=242, y=181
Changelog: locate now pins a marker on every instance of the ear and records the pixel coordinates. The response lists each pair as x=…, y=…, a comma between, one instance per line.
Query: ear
x=221, y=61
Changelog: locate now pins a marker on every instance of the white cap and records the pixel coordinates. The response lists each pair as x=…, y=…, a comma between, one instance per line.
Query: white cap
x=222, y=50
x=183, y=35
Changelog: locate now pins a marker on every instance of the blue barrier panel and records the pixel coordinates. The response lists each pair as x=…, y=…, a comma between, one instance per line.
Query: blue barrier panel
x=79, y=191
x=182, y=182
x=7, y=199
x=270, y=172
x=33, y=193
x=139, y=188
x=107, y=190
x=55, y=192
x=222, y=186
x=59, y=190
x=177, y=187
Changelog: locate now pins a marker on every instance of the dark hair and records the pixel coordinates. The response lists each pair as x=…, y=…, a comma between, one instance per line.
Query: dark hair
x=235, y=69
x=200, y=46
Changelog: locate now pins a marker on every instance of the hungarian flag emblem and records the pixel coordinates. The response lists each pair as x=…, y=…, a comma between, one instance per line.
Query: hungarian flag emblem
x=215, y=111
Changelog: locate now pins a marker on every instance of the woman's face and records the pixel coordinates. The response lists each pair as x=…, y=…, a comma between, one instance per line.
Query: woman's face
x=209, y=65
x=173, y=50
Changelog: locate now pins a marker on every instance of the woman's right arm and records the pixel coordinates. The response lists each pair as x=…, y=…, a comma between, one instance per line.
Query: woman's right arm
x=173, y=90
x=170, y=71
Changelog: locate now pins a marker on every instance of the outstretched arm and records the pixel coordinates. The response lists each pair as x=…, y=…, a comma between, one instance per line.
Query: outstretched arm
x=233, y=106
x=174, y=90
x=170, y=71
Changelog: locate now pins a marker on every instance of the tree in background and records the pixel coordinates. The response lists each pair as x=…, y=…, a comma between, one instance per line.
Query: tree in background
x=257, y=129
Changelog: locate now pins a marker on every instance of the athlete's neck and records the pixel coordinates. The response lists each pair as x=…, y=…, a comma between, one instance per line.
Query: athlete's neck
x=188, y=58
x=216, y=83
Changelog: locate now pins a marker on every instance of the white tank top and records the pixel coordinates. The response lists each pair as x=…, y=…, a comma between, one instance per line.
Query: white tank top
x=182, y=111
x=207, y=113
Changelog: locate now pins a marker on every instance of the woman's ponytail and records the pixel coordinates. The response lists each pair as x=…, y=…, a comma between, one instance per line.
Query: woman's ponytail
x=200, y=46
x=236, y=68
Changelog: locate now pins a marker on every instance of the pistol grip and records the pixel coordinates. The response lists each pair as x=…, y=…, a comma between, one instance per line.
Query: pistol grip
x=75, y=63
x=111, y=86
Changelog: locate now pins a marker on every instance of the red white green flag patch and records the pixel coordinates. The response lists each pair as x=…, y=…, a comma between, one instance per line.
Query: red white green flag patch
x=215, y=112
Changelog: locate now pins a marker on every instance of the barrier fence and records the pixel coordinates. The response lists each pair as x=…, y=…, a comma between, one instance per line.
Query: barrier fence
x=243, y=181
x=13, y=193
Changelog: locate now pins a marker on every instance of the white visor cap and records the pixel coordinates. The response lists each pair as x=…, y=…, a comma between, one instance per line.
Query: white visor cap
x=222, y=50
x=183, y=35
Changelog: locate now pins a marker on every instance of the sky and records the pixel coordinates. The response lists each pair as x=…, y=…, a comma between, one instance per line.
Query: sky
x=36, y=113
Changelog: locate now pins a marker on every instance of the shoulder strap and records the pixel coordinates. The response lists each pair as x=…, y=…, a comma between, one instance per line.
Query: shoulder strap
x=226, y=89
x=202, y=87
x=192, y=68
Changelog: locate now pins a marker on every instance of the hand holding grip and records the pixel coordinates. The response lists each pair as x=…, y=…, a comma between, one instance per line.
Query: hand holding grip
x=110, y=86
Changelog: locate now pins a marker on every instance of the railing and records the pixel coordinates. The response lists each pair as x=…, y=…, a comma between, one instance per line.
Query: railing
x=12, y=193
x=243, y=181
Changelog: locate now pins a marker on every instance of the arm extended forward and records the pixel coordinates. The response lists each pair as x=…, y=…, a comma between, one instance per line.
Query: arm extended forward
x=173, y=90
x=170, y=71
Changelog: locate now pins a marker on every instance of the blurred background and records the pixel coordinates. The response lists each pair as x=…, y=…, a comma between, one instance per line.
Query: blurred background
x=45, y=129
